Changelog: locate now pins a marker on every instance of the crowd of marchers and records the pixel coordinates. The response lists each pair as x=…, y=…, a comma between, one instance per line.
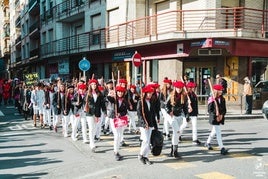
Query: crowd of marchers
x=96, y=107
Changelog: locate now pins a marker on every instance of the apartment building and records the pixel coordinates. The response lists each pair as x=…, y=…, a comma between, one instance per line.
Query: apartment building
x=197, y=38
x=4, y=39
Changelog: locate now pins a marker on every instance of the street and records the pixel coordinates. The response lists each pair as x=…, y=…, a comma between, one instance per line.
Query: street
x=29, y=152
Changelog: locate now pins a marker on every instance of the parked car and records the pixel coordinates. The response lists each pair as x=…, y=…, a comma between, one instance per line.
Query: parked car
x=265, y=110
x=260, y=94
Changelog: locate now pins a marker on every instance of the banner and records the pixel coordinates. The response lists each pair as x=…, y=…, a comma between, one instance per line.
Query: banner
x=31, y=78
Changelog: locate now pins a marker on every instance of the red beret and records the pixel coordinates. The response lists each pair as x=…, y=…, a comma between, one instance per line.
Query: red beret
x=92, y=81
x=166, y=80
x=123, y=81
x=120, y=88
x=178, y=84
x=101, y=88
x=191, y=85
x=148, y=89
x=82, y=86
x=218, y=87
x=154, y=85
x=132, y=86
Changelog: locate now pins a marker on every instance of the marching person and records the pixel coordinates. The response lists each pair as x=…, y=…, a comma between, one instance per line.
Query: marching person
x=119, y=110
x=38, y=100
x=67, y=109
x=107, y=124
x=47, y=107
x=26, y=101
x=58, y=103
x=217, y=111
x=164, y=96
x=94, y=103
x=133, y=98
x=78, y=103
x=192, y=116
x=146, y=122
x=177, y=108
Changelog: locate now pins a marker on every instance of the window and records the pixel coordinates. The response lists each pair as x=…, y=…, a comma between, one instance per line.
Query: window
x=96, y=24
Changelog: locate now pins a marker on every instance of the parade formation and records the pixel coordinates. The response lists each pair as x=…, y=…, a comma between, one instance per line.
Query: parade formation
x=96, y=107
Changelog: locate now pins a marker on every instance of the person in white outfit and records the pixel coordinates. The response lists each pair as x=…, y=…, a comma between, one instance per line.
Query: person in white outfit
x=133, y=98
x=47, y=107
x=38, y=100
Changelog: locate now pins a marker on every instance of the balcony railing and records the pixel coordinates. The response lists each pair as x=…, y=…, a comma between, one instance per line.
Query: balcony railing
x=173, y=25
x=75, y=44
x=69, y=7
x=223, y=22
x=34, y=52
x=34, y=26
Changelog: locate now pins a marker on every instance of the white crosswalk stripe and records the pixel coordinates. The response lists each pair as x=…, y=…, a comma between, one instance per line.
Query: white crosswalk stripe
x=1, y=113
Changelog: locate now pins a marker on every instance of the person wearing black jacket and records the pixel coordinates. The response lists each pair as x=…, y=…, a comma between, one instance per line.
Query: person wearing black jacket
x=94, y=103
x=119, y=107
x=177, y=108
x=146, y=122
x=192, y=116
x=217, y=111
x=133, y=98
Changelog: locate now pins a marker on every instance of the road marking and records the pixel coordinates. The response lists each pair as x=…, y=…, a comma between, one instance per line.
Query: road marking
x=240, y=155
x=1, y=113
x=179, y=165
x=214, y=175
x=21, y=127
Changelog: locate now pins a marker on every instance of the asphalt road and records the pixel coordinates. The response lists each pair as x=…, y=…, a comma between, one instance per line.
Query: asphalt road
x=28, y=152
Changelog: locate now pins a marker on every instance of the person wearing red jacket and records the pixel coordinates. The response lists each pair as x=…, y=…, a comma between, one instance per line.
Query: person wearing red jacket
x=6, y=91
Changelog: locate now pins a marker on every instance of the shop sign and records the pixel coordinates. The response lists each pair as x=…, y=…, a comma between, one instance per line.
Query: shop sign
x=122, y=55
x=63, y=66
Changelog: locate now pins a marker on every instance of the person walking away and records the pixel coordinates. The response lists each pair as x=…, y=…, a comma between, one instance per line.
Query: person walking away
x=47, y=108
x=146, y=122
x=248, y=94
x=216, y=111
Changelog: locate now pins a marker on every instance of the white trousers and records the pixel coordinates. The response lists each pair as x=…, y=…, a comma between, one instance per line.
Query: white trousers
x=90, y=120
x=132, y=119
x=65, y=123
x=99, y=124
x=216, y=129
x=166, y=124
x=146, y=138
x=56, y=119
x=75, y=122
x=175, y=122
x=194, y=127
x=47, y=116
x=118, y=134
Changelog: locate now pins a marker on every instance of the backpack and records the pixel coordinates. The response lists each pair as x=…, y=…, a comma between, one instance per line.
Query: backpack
x=157, y=140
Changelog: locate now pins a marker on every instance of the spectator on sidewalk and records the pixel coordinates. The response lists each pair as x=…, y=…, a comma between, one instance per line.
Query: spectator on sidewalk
x=248, y=94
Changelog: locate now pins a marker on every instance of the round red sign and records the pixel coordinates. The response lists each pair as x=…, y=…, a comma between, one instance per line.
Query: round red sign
x=136, y=59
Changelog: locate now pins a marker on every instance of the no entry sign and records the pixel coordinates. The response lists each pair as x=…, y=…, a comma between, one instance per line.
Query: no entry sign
x=136, y=59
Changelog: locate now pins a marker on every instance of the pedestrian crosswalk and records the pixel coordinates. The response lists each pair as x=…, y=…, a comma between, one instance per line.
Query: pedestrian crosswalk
x=1, y=113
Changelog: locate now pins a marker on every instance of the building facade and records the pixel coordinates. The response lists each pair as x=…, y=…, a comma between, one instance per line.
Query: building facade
x=4, y=39
x=198, y=38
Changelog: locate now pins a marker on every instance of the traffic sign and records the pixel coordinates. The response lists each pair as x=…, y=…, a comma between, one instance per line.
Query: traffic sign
x=136, y=59
x=84, y=64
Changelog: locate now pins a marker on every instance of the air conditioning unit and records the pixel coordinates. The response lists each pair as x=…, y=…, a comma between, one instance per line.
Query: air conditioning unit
x=209, y=52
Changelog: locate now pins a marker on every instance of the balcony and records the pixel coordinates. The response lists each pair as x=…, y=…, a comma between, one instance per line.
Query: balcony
x=18, y=41
x=34, y=53
x=17, y=22
x=70, y=10
x=188, y=24
x=6, y=51
x=81, y=43
x=34, y=30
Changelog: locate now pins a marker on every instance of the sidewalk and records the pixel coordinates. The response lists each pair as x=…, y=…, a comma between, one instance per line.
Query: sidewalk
x=233, y=112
